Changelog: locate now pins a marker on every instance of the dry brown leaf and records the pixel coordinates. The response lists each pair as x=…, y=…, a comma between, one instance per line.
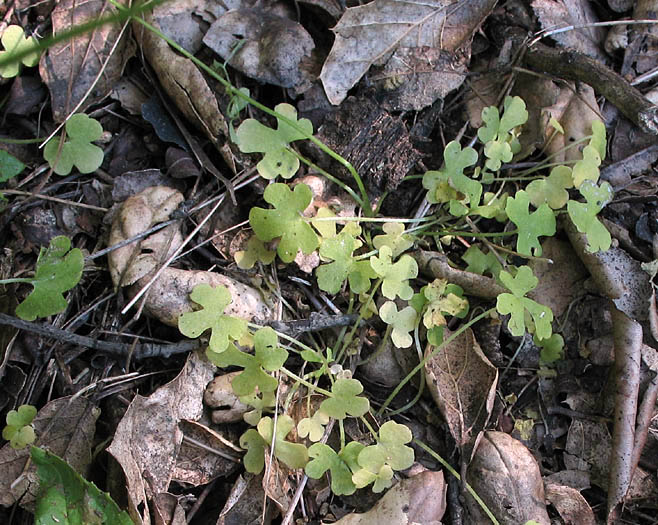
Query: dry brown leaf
x=561, y=282
x=404, y=37
x=167, y=510
x=66, y=426
x=203, y=456
x=183, y=82
x=420, y=499
x=554, y=14
x=245, y=503
x=571, y=505
x=272, y=48
x=85, y=67
x=506, y=476
x=575, y=110
x=462, y=382
x=147, y=440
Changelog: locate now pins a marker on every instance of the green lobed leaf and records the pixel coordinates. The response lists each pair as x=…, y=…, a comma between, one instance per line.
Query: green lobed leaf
x=313, y=427
x=584, y=215
x=18, y=430
x=59, y=268
x=325, y=458
x=345, y=400
x=14, y=42
x=268, y=356
x=77, y=150
x=254, y=137
x=255, y=252
x=516, y=304
x=480, y=263
x=224, y=328
x=552, y=348
x=294, y=455
x=553, y=189
x=588, y=167
x=530, y=225
x=65, y=498
x=402, y=322
x=332, y=276
x=394, y=275
x=285, y=220
x=444, y=184
x=443, y=299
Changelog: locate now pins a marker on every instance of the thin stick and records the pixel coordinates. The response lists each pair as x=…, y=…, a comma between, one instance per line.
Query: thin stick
x=54, y=199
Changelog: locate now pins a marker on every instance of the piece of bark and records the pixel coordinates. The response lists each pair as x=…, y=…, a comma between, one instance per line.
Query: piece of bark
x=572, y=65
x=377, y=144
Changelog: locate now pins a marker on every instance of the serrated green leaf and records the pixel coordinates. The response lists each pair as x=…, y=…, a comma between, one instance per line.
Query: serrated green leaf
x=584, y=217
x=224, y=328
x=325, y=458
x=77, y=150
x=58, y=270
x=345, y=400
x=394, y=275
x=14, y=42
x=254, y=137
x=553, y=189
x=285, y=220
x=66, y=498
x=531, y=225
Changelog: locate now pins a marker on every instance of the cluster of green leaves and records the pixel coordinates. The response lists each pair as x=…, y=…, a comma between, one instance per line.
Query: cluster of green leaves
x=58, y=269
x=19, y=430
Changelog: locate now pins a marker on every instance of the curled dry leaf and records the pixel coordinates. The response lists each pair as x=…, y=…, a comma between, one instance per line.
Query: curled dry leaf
x=270, y=48
x=71, y=67
x=135, y=263
x=184, y=83
x=462, y=382
x=570, y=504
x=430, y=39
x=506, y=476
x=149, y=437
x=420, y=499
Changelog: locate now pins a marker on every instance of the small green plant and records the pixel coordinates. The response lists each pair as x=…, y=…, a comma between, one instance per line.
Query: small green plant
x=78, y=150
x=19, y=430
x=15, y=44
x=364, y=264
x=58, y=269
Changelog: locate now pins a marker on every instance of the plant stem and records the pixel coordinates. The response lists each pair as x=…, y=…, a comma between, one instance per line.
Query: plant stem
x=452, y=471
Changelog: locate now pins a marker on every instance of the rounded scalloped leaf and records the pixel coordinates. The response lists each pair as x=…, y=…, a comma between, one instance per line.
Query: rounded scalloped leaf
x=14, y=41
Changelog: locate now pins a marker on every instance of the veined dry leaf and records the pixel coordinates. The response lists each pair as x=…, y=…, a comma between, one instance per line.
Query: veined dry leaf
x=571, y=505
x=420, y=499
x=554, y=14
x=386, y=32
x=73, y=67
x=462, y=382
x=506, y=476
x=272, y=48
x=147, y=440
x=71, y=424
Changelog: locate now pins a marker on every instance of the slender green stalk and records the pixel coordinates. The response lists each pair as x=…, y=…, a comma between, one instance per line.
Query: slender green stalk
x=235, y=92
x=452, y=471
x=420, y=365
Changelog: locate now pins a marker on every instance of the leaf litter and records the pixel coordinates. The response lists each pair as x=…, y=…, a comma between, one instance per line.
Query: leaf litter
x=396, y=74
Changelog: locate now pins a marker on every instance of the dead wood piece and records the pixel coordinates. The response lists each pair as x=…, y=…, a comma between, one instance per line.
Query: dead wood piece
x=377, y=144
x=438, y=266
x=572, y=65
